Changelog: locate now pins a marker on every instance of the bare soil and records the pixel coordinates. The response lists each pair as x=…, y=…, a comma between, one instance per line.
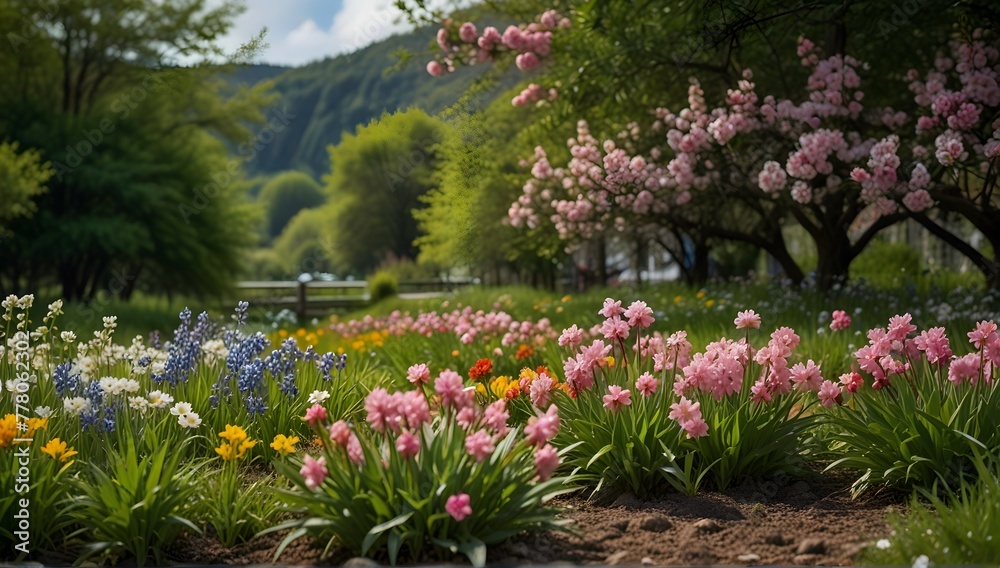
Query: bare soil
x=776, y=522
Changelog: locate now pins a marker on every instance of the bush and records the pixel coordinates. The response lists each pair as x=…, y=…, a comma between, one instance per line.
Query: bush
x=887, y=265
x=405, y=485
x=381, y=285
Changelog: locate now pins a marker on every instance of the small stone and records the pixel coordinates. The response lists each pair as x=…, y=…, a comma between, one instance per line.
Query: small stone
x=647, y=561
x=655, y=523
x=806, y=559
x=620, y=526
x=777, y=539
x=811, y=546
x=750, y=557
x=707, y=526
x=617, y=558
x=360, y=562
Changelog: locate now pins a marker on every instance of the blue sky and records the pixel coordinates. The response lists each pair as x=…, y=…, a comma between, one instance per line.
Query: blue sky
x=300, y=31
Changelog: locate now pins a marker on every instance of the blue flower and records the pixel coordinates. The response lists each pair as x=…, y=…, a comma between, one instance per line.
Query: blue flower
x=64, y=379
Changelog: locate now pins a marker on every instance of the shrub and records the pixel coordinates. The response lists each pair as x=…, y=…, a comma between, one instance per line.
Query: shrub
x=404, y=484
x=381, y=285
x=921, y=414
x=887, y=265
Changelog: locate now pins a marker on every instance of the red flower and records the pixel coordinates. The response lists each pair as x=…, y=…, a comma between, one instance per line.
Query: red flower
x=481, y=369
x=524, y=351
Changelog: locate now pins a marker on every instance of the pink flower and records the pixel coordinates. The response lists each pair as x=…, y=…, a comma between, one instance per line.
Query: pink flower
x=540, y=390
x=450, y=388
x=695, y=428
x=617, y=398
x=526, y=61
x=340, y=432
x=646, y=384
x=315, y=414
x=685, y=411
x=540, y=429
x=807, y=376
x=407, y=445
x=984, y=333
x=479, y=445
x=435, y=69
x=747, y=318
x=458, y=506
x=828, y=393
x=413, y=407
x=466, y=417
x=639, y=314
x=851, y=381
x=571, y=337
x=468, y=32
x=964, y=369
x=495, y=416
x=546, y=462
x=840, y=320
x=900, y=327
x=313, y=471
x=615, y=328
x=611, y=308
x=934, y=343
x=785, y=336
x=418, y=374
x=442, y=39
x=354, y=451
x=382, y=410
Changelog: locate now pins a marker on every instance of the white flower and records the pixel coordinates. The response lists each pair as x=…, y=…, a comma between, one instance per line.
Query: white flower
x=921, y=561
x=11, y=385
x=189, y=420
x=43, y=411
x=110, y=322
x=109, y=386
x=76, y=406
x=68, y=336
x=129, y=385
x=181, y=408
x=138, y=403
x=317, y=397
x=158, y=399
x=214, y=350
x=883, y=544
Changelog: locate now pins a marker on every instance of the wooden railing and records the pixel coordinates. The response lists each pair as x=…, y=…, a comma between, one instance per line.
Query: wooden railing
x=318, y=296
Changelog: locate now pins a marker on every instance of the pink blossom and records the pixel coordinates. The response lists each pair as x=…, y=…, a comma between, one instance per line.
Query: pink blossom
x=418, y=374
x=828, y=393
x=807, y=376
x=747, y=318
x=413, y=408
x=458, y=506
x=639, y=314
x=540, y=429
x=685, y=411
x=382, y=410
x=840, y=321
x=546, y=462
x=442, y=39
x=611, y=308
x=407, y=445
x=435, y=69
x=495, y=416
x=695, y=428
x=313, y=471
x=526, y=61
x=540, y=390
x=786, y=336
x=315, y=414
x=964, y=369
x=900, y=327
x=468, y=32
x=355, y=453
x=984, y=333
x=479, y=445
x=934, y=343
x=571, y=336
x=919, y=200
x=450, y=387
x=760, y=392
x=646, y=384
x=340, y=432
x=851, y=381
x=466, y=417
x=615, y=328
x=617, y=398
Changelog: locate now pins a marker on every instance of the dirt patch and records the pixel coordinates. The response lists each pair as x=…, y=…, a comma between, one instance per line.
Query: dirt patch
x=778, y=521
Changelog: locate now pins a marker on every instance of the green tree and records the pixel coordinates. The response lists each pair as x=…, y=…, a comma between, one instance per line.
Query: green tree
x=304, y=246
x=22, y=177
x=144, y=192
x=285, y=195
x=377, y=178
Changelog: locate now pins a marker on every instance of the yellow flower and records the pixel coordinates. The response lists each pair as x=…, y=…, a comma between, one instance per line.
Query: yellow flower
x=234, y=434
x=499, y=386
x=282, y=333
x=700, y=294
x=8, y=430
x=284, y=445
x=528, y=373
x=57, y=449
x=11, y=428
x=481, y=389
x=610, y=360
x=566, y=298
x=301, y=332
x=709, y=303
x=454, y=353
x=677, y=299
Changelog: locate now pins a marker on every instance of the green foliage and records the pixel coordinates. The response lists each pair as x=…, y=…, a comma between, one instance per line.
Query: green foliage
x=22, y=177
x=887, y=265
x=46, y=489
x=137, y=505
x=381, y=285
x=395, y=509
x=285, y=195
x=236, y=509
x=380, y=173
x=304, y=245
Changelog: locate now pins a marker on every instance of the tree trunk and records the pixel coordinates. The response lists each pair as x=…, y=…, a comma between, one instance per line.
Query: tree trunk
x=699, y=270
x=834, y=262
x=601, y=270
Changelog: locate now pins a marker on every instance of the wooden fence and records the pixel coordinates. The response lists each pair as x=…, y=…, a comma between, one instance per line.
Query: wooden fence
x=319, y=297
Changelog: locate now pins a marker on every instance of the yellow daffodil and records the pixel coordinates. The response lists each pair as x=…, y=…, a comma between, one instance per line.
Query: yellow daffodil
x=284, y=445
x=499, y=386
x=58, y=450
x=610, y=360
x=238, y=443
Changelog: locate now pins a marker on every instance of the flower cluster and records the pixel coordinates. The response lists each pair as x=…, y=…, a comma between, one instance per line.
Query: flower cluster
x=237, y=443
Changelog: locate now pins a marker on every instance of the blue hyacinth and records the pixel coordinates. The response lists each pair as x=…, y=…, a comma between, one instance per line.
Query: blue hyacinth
x=64, y=379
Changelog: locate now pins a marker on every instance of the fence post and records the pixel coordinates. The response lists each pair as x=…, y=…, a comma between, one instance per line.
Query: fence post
x=300, y=301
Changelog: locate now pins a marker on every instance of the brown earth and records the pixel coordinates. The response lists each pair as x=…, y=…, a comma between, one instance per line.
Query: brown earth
x=786, y=522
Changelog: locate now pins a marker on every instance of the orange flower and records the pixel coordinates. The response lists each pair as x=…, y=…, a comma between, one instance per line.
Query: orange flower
x=513, y=392
x=481, y=369
x=524, y=351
